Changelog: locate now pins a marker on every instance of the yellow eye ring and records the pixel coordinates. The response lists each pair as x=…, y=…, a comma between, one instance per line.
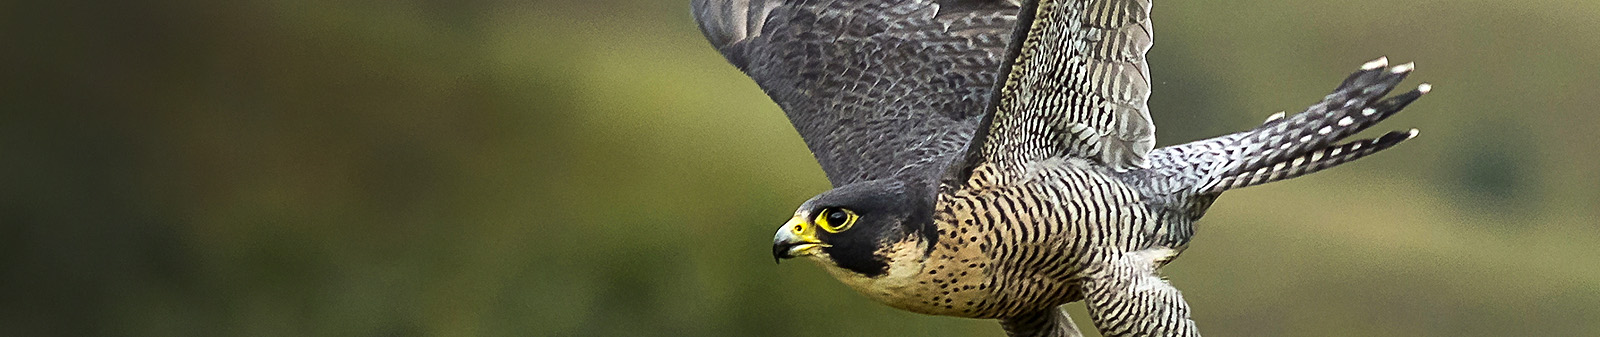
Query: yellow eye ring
x=835, y=220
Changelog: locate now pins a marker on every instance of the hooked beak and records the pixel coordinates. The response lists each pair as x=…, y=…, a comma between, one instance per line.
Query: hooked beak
x=795, y=239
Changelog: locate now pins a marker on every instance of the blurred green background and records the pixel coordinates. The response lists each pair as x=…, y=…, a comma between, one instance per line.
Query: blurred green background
x=594, y=168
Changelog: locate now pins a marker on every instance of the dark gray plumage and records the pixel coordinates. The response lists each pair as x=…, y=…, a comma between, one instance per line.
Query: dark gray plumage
x=988, y=164
x=876, y=88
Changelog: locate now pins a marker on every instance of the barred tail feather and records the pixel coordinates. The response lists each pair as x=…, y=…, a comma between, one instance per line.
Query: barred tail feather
x=1312, y=162
x=1290, y=146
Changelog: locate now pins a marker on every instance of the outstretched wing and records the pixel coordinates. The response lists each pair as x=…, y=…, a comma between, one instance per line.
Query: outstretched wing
x=1076, y=86
x=876, y=88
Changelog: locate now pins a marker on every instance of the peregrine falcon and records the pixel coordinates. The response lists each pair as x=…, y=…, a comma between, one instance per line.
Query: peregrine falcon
x=995, y=159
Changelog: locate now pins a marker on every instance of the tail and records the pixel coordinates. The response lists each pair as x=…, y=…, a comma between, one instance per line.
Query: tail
x=1284, y=148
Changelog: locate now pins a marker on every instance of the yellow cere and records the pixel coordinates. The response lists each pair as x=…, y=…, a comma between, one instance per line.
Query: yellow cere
x=801, y=228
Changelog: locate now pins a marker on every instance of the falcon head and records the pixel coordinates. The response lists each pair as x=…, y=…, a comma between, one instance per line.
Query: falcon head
x=861, y=228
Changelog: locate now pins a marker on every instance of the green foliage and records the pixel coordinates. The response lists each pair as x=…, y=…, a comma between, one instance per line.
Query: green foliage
x=561, y=168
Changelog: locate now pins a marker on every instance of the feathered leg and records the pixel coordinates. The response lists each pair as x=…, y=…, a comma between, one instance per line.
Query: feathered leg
x=1126, y=298
x=1048, y=323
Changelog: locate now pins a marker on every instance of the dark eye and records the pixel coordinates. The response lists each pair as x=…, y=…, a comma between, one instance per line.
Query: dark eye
x=835, y=220
x=837, y=216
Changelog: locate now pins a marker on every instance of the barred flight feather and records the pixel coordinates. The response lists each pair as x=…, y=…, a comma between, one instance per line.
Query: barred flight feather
x=1313, y=161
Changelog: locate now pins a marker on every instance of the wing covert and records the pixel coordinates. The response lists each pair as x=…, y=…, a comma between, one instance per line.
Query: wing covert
x=1077, y=87
x=876, y=88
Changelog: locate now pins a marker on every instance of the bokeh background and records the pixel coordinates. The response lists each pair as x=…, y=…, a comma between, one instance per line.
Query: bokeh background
x=594, y=168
